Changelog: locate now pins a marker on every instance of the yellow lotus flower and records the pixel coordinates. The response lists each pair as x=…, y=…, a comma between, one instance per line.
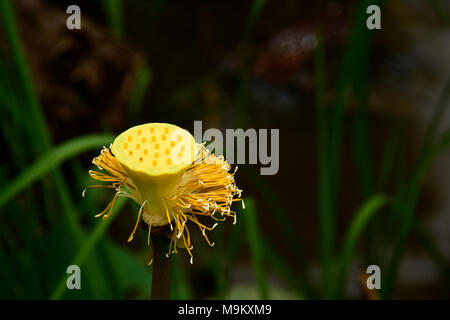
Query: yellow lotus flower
x=171, y=177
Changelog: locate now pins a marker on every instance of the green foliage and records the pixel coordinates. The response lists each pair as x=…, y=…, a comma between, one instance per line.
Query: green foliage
x=49, y=161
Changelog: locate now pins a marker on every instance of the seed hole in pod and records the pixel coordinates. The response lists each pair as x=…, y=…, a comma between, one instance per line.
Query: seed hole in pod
x=144, y=140
x=156, y=145
x=156, y=155
x=167, y=151
x=163, y=137
x=138, y=146
x=166, y=130
x=179, y=155
x=169, y=161
x=139, y=132
x=140, y=159
x=125, y=145
x=130, y=153
x=179, y=138
x=155, y=163
x=153, y=138
x=172, y=144
x=152, y=130
x=145, y=151
x=130, y=138
x=182, y=148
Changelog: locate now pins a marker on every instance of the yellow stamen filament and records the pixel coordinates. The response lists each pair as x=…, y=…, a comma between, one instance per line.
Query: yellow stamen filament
x=109, y=207
x=168, y=217
x=137, y=221
x=97, y=186
x=149, y=231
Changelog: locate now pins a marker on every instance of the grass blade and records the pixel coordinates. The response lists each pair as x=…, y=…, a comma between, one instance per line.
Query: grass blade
x=51, y=160
x=409, y=206
x=114, y=9
x=324, y=184
x=273, y=258
x=359, y=222
x=440, y=10
x=408, y=202
x=442, y=262
x=254, y=242
x=280, y=215
x=7, y=15
x=242, y=98
x=143, y=81
x=437, y=117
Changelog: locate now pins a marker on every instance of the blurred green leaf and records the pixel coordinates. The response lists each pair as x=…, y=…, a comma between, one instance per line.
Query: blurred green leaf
x=325, y=182
x=281, y=218
x=355, y=229
x=408, y=207
x=437, y=117
x=242, y=92
x=88, y=245
x=255, y=246
x=441, y=10
x=290, y=276
x=408, y=198
x=130, y=272
x=441, y=261
x=143, y=81
x=51, y=160
x=114, y=10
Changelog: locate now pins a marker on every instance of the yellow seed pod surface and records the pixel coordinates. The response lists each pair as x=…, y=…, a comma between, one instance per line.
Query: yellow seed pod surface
x=155, y=155
x=155, y=148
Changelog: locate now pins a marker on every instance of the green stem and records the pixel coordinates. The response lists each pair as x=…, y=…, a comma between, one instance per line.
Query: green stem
x=161, y=268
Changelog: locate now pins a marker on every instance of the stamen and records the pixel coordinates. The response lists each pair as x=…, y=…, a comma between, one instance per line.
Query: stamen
x=83, y=194
x=108, y=207
x=168, y=217
x=149, y=230
x=149, y=260
x=137, y=221
x=170, y=245
x=188, y=249
x=112, y=206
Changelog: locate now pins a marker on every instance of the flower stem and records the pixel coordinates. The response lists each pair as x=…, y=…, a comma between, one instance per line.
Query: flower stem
x=161, y=268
